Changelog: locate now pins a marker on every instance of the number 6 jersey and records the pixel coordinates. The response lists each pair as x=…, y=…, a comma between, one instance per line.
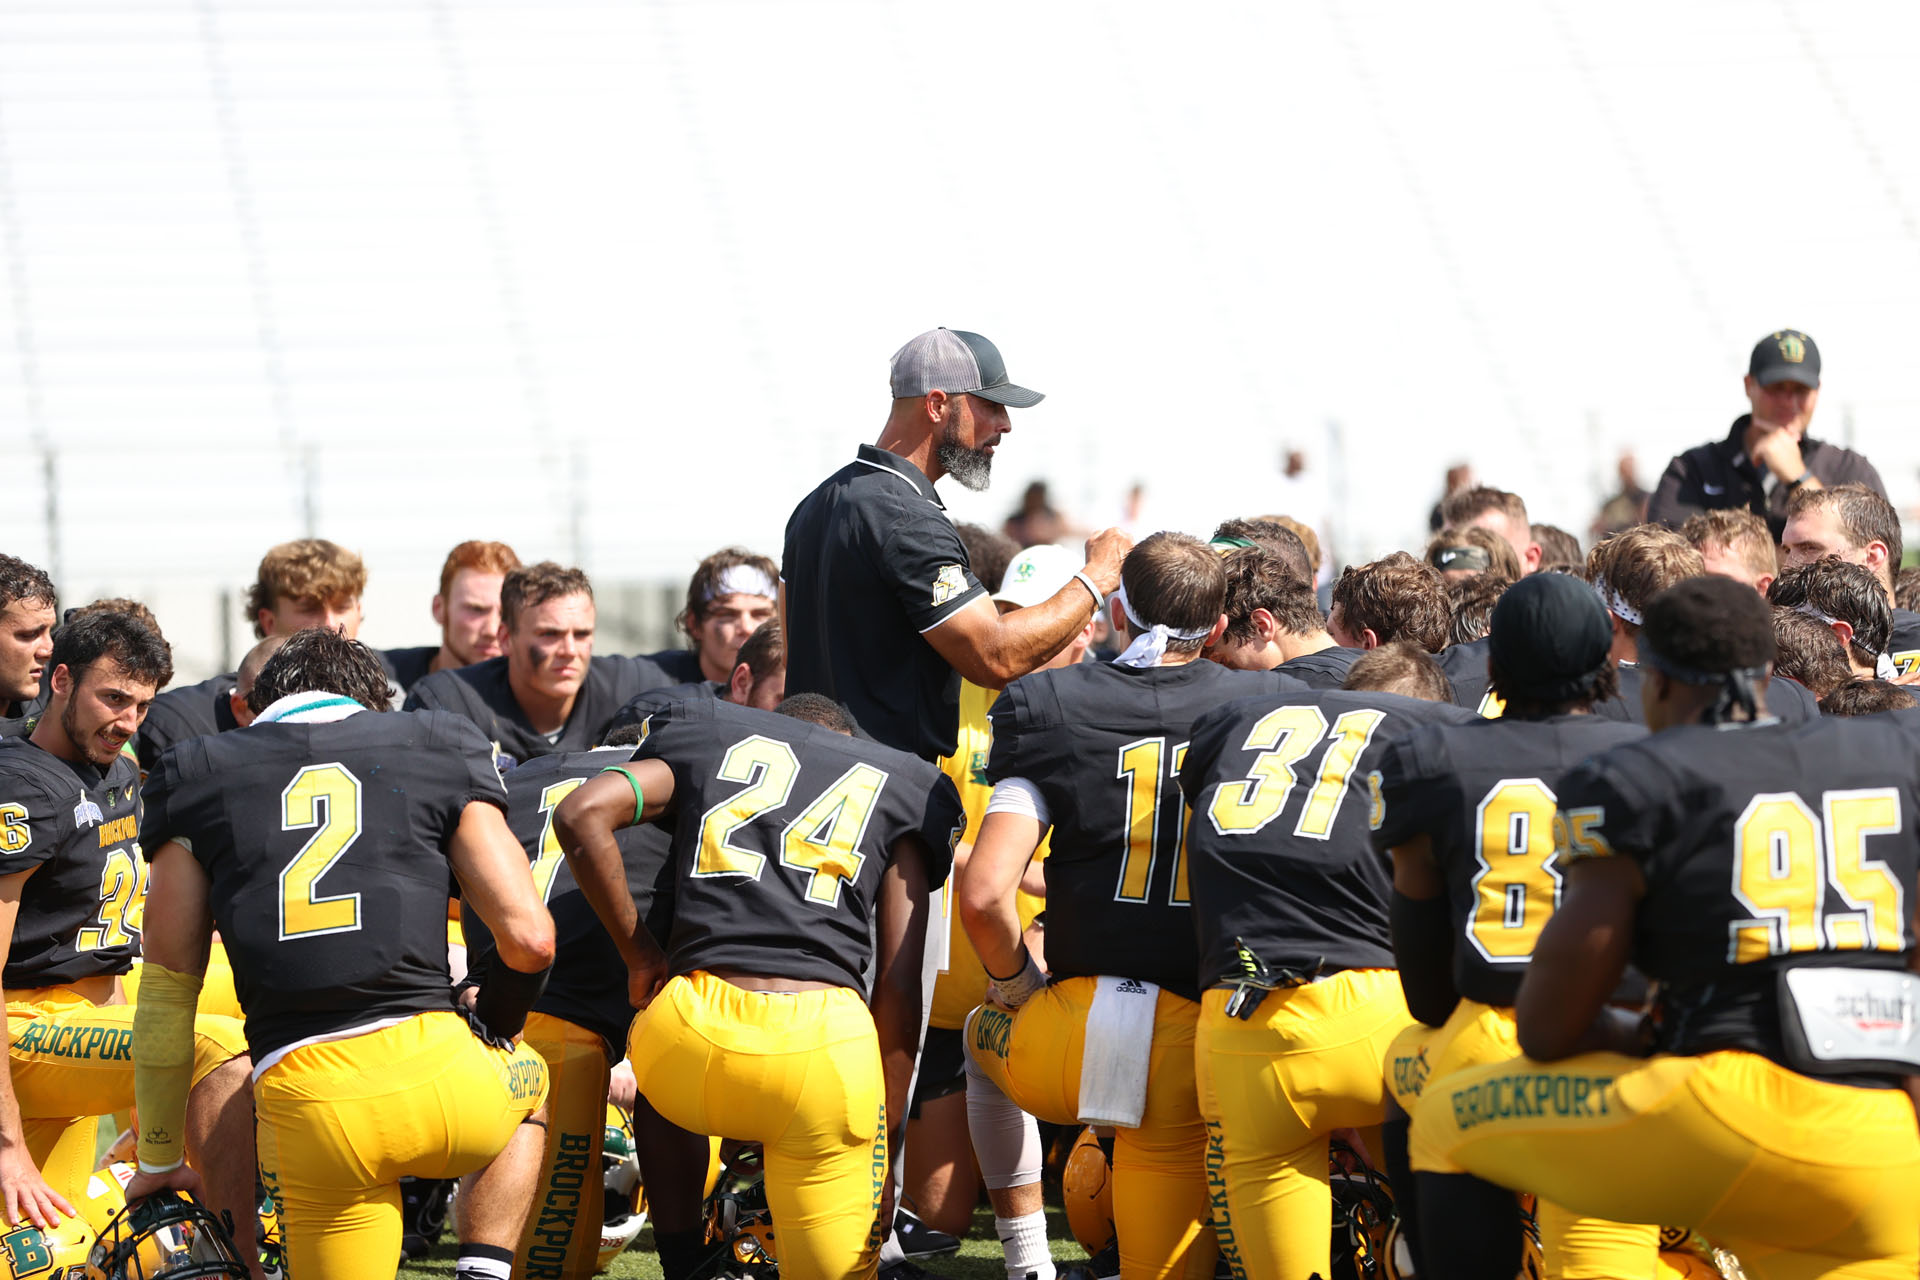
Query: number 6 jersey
x=77, y=826
x=1485, y=793
x=324, y=845
x=782, y=829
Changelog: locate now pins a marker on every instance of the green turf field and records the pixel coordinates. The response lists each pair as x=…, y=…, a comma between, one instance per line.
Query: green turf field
x=978, y=1259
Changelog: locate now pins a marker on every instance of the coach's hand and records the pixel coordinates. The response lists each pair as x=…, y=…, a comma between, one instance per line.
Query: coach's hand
x=145, y=1184
x=29, y=1198
x=1105, y=551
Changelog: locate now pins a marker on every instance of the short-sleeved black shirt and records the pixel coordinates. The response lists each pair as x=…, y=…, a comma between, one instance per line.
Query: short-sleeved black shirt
x=182, y=713
x=325, y=852
x=1278, y=849
x=1812, y=824
x=872, y=562
x=782, y=830
x=78, y=828
x=1484, y=792
x=1104, y=745
x=481, y=694
x=1787, y=700
x=588, y=985
x=1326, y=669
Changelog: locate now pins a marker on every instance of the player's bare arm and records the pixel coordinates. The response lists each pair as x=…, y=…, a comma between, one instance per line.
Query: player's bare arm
x=28, y=1197
x=1578, y=961
x=584, y=824
x=991, y=648
x=988, y=909
x=496, y=880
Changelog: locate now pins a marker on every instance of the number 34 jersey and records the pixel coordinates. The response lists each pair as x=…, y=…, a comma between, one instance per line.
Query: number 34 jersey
x=77, y=827
x=782, y=830
x=325, y=848
x=1104, y=744
x=1485, y=792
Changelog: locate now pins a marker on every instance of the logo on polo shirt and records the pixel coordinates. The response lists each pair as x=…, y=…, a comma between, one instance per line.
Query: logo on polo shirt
x=950, y=582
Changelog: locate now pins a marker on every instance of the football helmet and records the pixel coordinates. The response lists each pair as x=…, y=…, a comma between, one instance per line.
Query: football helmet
x=738, y=1217
x=1086, y=1184
x=625, y=1199
x=167, y=1234
x=1363, y=1217
x=59, y=1253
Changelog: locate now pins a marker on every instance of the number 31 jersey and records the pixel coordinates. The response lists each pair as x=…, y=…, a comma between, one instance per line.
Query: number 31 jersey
x=1485, y=793
x=782, y=830
x=325, y=848
x=77, y=827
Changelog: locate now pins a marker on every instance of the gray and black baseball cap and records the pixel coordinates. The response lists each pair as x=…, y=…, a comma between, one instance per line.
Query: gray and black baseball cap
x=955, y=361
x=1786, y=356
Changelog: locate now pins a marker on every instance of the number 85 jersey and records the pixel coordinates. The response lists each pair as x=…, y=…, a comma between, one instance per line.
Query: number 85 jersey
x=76, y=827
x=1485, y=794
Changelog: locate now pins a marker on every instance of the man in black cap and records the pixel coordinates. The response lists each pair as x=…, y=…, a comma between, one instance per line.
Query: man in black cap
x=1467, y=811
x=1766, y=456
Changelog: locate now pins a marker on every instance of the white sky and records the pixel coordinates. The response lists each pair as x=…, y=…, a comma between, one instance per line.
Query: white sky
x=620, y=280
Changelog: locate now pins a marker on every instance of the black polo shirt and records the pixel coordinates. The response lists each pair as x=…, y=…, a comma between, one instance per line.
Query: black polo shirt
x=1719, y=474
x=871, y=564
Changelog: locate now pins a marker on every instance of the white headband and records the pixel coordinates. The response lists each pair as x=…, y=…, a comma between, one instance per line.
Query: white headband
x=1883, y=667
x=742, y=580
x=1149, y=642
x=1617, y=604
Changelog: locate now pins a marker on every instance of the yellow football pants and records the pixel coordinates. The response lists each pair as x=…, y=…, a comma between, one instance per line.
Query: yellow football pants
x=339, y=1123
x=1272, y=1088
x=562, y=1237
x=1160, y=1205
x=1572, y=1246
x=72, y=1060
x=798, y=1072
x=1799, y=1177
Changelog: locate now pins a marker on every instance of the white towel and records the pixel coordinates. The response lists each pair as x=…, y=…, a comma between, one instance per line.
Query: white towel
x=1113, y=1068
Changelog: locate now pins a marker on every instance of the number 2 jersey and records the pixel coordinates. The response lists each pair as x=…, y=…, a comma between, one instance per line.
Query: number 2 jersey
x=77, y=827
x=1485, y=793
x=782, y=830
x=1764, y=846
x=324, y=845
x=1278, y=850
x=588, y=984
x=1104, y=743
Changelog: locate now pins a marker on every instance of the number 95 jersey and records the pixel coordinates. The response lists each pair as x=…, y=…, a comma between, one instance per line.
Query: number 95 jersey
x=782, y=829
x=1485, y=793
x=325, y=848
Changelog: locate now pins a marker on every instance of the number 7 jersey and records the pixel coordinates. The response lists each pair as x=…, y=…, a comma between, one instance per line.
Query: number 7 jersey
x=1485, y=794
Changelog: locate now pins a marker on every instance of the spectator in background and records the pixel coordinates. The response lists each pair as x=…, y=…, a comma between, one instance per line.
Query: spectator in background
x=1810, y=653
x=1035, y=521
x=1466, y=553
x=1767, y=454
x=467, y=609
x=1558, y=548
x=1496, y=511
x=1304, y=498
x=1627, y=507
x=1865, y=698
x=1459, y=480
x=1734, y=543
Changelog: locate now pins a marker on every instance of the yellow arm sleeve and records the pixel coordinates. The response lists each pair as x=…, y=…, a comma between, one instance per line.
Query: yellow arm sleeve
x=163, y=1063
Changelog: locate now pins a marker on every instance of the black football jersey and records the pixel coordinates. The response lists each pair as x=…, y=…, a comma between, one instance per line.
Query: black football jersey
x=1485, y=793
x=682, y=666
x=1278, y=849
x=183, y=713
x=1104, y=744
x=1764, y=846
x=1905, y=644
x=782, y=830
x=408, y=667
x=1466, y=669
x=78, y=828
x=588, y=985
x=1326, y=669
x=481, y=694
x=1787, y=700
x=325, y=849
x=638, y=709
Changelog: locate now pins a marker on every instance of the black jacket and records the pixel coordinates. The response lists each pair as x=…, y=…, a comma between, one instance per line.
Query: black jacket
x=1708, y=477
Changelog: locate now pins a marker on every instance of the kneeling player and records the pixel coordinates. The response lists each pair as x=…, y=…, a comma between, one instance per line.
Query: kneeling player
x=1093, y=752
x=1291, y=902
x=795, y=844
x=1468, y=813
x=70, y=883
x=1761, y=873
x=318, y=840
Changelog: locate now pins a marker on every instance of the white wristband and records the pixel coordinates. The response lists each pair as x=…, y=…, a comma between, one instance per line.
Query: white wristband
x=1017, y=990
x=1098, y=599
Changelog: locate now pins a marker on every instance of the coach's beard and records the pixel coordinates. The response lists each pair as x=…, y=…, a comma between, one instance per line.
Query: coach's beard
x=973, y=468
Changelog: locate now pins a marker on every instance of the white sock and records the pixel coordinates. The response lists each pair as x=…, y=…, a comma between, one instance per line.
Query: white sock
x=470, y=1267
x=1025, y=1240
